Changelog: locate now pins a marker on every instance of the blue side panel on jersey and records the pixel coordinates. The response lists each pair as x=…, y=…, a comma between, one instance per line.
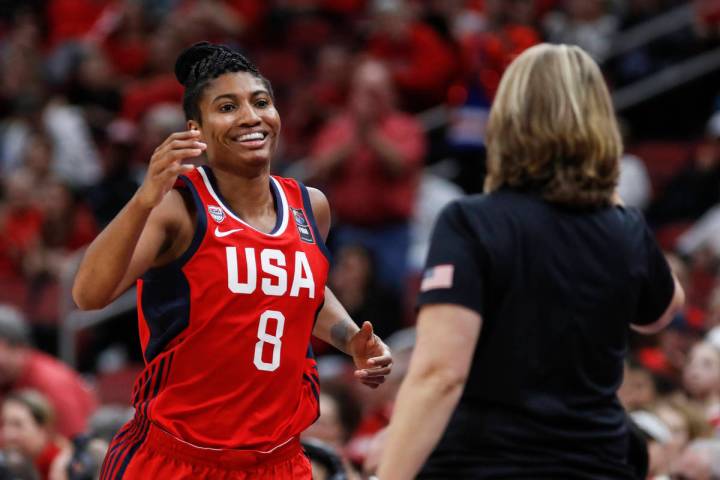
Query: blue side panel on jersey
x=199, y=230
x=280, y=209
x=166, y=307
x=165, y=299
x=307, y=206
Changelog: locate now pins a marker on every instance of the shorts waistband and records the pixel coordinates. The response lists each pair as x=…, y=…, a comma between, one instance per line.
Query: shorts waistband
x=167, y=443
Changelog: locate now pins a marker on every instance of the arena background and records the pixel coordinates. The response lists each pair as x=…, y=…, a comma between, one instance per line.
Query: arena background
x=87, y=92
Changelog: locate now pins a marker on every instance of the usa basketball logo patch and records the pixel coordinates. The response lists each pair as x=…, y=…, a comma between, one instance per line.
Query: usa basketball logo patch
x=302, y=225
x=216, y=213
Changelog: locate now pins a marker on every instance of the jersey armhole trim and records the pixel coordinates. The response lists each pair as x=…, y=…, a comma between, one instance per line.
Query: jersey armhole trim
x=198, y=236
x=311, y=218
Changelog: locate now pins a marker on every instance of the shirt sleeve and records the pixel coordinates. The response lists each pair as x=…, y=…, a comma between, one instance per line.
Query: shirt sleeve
x=658, y=286
x=454, y=268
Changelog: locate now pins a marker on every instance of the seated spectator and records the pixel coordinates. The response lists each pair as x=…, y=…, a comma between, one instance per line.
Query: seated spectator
x=28, y=422
x=701, y=380
x=20, y=221
x=693, y=192
x=22, y=366
x=638, y=390
x=487, y=53
x=370, y=159
x=37, y=161
x=158, y=84
x=585, y=23
x=339, y=416
x=684, y=420
x=67, y=226
x=355, y=284
x=421, y=63
x=95, y=86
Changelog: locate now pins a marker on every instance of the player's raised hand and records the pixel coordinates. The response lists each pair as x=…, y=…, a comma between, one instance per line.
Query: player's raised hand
x=166, y=164
x=371, y=356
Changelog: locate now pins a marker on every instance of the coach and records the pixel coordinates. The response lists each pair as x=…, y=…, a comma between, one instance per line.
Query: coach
x=528, y=295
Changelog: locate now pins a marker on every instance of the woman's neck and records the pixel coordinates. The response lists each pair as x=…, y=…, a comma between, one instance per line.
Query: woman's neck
x=249, y=197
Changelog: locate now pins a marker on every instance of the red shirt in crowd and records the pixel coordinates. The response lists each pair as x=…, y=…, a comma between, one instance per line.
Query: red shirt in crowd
x=21, y=229
x=361, y=192
x=423, y=64
x=72, y=19
x=70, y=396
x=44, y=461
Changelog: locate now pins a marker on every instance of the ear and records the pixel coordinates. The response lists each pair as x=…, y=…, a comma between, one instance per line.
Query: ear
x=194, y=125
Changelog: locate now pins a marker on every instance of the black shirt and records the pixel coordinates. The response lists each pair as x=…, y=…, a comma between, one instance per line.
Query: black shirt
x=556, y=289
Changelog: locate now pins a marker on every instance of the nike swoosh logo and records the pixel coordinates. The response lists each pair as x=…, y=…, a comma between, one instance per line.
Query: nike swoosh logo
x=220, y=234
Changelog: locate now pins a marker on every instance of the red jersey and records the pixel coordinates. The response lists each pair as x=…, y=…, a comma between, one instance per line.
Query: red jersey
x=225, y=329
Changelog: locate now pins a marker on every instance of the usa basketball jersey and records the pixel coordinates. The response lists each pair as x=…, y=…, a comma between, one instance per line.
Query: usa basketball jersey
x=225, y=329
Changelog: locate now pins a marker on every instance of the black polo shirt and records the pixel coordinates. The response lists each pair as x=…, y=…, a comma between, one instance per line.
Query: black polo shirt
x=556, y=289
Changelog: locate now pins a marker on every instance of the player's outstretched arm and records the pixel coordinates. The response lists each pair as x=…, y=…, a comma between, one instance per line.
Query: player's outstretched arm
x=370, y=354
x=440, y=363
x=140, y=234
x=335, y=326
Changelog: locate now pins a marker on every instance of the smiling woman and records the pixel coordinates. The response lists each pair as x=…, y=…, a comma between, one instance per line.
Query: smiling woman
x=231, y=266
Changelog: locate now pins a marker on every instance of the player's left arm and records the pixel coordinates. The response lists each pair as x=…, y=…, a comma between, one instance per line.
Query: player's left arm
x=335, y=326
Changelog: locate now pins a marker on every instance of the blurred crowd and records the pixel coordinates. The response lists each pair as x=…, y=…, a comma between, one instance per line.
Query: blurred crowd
x=383, y=104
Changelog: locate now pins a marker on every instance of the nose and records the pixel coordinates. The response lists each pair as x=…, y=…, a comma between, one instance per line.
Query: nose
x=248, y=116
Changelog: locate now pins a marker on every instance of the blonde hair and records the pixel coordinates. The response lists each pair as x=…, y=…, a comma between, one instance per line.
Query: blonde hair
x=552, y=129
x=37, y=404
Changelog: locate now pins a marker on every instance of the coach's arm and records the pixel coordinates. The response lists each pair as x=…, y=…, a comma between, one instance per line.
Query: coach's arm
x=446, y=339
x=335, y=326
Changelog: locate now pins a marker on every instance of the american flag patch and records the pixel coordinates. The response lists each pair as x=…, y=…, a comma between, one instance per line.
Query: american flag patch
x=439, y=276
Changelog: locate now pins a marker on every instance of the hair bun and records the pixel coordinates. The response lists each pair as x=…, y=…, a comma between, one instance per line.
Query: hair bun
x=190, y=57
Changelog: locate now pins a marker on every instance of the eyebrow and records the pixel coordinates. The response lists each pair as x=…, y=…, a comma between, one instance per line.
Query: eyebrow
x=233, y=96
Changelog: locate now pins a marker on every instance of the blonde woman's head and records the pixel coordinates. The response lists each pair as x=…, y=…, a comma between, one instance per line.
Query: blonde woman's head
x=552, y=129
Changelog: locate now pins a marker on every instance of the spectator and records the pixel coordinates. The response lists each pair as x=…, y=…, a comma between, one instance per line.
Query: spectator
x=693, y=191
x=95, y=87
x=339, y=416
x=685, y=422
x=355, y=284
x=21, y=222
x=421, y=63
x=66, y=227
x=37, y=161
x=22, y=366
x=638, y=390
x=487, y=53
x=370, y=159
x=585, y=23
x=701, y=380
x=28, y=422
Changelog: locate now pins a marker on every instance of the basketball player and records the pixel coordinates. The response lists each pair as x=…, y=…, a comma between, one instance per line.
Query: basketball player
x=230, y=264
x=528, y=295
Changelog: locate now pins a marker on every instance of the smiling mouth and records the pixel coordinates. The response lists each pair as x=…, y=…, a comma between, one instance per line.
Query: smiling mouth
x=250, y=138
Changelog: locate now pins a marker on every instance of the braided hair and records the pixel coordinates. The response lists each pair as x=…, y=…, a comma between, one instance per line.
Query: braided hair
x=202, y=62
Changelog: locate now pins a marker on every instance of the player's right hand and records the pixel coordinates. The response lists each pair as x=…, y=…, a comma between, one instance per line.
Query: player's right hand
x=166, y=164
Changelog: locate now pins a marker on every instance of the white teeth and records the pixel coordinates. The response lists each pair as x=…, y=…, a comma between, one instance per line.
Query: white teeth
x=250, y=136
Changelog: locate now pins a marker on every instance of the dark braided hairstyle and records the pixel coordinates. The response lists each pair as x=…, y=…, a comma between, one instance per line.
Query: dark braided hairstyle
x=199, y=64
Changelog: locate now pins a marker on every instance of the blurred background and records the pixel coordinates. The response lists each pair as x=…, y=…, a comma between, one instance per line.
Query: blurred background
x=87, y=92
